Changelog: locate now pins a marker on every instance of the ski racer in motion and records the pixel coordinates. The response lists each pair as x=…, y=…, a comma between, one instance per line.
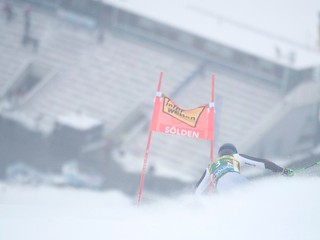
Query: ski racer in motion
x=224, y=172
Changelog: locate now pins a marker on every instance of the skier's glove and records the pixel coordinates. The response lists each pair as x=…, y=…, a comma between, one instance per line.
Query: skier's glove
x=287, y=172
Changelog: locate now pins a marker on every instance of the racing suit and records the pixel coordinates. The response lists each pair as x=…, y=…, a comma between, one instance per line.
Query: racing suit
x=225, y=172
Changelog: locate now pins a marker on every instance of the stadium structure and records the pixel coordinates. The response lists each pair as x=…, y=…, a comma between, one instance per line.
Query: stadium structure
x=78, y=79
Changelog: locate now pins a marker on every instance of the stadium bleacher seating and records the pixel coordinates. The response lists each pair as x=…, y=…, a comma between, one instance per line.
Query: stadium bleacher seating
x=110, y=80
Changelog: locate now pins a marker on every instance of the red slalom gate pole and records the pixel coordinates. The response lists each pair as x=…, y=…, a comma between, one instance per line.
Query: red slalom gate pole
x=212, y=110
x=152, y=127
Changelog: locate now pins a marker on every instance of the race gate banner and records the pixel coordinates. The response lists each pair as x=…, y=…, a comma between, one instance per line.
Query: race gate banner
x=171, y=119
x=168, y=117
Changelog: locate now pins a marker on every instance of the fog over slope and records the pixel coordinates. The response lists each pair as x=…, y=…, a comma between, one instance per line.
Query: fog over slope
x=276, y=208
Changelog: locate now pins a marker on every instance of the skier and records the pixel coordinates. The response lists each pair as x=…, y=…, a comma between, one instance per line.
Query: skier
x=224, y=172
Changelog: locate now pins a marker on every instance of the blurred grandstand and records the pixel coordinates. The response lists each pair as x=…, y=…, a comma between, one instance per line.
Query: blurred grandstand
x=81, y=90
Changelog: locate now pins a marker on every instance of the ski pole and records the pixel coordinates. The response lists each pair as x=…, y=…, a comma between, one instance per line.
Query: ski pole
x=304, y=168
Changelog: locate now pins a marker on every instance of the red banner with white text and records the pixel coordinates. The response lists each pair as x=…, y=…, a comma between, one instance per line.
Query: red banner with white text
x=171, y=119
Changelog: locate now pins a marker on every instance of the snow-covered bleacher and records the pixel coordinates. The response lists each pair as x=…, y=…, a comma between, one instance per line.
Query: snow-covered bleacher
x=301, y=105
x=107, y=81
x=112, y=79
x=14, y=55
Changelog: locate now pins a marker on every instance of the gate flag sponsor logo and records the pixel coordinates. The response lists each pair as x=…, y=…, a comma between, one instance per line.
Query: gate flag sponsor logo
x=172, y=119
x=189, y=117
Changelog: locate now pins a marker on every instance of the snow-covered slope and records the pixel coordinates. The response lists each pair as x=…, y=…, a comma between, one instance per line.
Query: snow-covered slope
x=277, y=208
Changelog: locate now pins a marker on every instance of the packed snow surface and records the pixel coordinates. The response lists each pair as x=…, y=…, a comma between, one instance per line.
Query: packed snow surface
x=276, y=208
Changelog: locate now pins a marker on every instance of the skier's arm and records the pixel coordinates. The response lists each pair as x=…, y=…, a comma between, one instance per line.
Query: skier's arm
x=259, y=162
x=203, y=183
x=202, y=177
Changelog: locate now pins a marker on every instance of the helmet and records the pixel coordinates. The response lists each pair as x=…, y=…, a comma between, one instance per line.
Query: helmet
x=227, y=149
